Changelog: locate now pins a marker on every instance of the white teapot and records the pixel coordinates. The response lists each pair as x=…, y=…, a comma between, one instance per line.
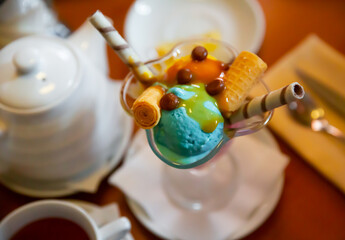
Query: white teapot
x=58, y=110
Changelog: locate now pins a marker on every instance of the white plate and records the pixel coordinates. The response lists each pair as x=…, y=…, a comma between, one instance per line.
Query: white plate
x=257, y=217
x=150, y=23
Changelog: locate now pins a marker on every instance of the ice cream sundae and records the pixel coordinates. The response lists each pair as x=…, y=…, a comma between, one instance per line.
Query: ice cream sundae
x=185, y=101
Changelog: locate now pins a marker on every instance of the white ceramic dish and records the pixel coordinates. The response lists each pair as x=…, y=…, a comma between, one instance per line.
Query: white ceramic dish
x=149, y=23
x=256, y=218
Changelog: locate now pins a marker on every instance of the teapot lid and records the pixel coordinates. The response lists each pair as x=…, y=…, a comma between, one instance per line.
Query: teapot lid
x=37, y=72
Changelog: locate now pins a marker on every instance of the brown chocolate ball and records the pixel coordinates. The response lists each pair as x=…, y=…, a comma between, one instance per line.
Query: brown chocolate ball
x=184, y=76
x=199, y=53
x=169, y=102
x=225, y=66
x=215, y=87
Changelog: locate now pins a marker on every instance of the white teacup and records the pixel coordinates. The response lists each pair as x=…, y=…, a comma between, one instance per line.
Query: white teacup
x=42, y=209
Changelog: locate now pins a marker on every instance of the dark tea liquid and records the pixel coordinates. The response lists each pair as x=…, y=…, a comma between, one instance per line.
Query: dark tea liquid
x=51, y=229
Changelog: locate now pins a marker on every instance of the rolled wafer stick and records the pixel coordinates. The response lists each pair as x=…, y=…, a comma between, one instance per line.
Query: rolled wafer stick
x=242, y=75
x=268, y=102
x=146, y=109
x=121, y=47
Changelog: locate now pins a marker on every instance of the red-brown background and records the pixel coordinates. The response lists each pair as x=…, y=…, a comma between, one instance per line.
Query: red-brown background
x=310, y=206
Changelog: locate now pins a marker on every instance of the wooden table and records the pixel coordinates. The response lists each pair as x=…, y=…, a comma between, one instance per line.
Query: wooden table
x=310, y=206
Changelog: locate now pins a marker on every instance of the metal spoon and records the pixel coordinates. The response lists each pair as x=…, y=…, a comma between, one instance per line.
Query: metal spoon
x=306, y=112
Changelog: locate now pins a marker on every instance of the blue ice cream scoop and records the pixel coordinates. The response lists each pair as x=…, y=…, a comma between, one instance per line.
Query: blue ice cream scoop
x=192, y=130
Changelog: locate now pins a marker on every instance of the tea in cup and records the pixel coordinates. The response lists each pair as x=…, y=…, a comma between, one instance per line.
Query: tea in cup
x=56, y=219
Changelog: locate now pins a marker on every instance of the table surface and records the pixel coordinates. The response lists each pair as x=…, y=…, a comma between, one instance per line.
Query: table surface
x=310, y=206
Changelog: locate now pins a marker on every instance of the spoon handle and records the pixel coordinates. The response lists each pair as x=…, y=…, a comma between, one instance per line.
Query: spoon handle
x=335, y=132
x=2, y=129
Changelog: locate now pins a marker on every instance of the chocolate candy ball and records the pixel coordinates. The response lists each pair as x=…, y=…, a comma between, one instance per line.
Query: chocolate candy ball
x=184, y=76
x=199, y=53
x=225, y=66
x=215, y=87
x=169, y=102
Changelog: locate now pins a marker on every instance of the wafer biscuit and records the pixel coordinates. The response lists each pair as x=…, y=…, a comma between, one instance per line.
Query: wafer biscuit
x=121, y=47
x=146, y=108
x=268, y=102
x=242, y=75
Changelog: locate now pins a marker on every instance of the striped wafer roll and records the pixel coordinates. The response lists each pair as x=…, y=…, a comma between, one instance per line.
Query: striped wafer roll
x=268, y=102
x=121, y=47
x=242, y=75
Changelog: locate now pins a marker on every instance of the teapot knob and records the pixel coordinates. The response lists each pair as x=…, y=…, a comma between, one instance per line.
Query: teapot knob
x=26, y=60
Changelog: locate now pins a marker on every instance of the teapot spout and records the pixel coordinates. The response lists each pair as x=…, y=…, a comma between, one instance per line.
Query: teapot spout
x=15, y=10
x=89, y=41
x=19, y=18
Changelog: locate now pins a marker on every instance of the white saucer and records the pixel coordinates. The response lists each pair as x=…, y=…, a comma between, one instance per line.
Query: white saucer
x=149, y=23
x=257, y=217
x=53, y=189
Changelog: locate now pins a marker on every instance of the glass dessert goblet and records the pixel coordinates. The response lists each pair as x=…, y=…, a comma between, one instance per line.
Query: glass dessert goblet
x=186, y=183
